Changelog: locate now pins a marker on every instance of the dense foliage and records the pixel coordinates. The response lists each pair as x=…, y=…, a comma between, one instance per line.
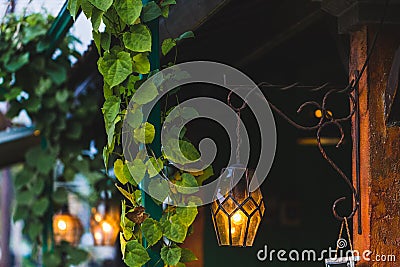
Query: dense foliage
x=34, y=79
x=124, y=46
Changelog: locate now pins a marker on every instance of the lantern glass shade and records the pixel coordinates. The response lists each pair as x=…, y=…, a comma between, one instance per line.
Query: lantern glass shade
x=104, y=223
x=67, y=227
x=237, y=213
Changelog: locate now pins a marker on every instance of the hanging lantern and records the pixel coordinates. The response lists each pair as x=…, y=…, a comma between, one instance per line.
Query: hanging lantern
x=67, y=227
x=104, y=223
x=237, y=213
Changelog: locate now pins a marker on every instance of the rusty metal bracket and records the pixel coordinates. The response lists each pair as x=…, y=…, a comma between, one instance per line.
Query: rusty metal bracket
x=356, y=146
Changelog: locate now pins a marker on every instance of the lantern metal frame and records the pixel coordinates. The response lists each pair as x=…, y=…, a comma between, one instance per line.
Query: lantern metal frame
x=218, y=206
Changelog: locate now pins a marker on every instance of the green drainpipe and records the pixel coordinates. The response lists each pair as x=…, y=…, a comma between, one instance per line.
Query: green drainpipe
x=155, y=118
x=59, y=28
x=61, y=25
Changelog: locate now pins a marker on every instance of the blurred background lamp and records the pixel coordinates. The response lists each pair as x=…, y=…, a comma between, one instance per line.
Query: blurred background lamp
x=67, y=227
x=104, y=223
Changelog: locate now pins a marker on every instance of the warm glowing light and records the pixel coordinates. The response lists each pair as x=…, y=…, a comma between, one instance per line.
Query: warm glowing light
x=98, y=236
x=318, y=113
x=62, y=225
x=237, y=218
x=97, y=217
x=36, y=133
x=106, y=227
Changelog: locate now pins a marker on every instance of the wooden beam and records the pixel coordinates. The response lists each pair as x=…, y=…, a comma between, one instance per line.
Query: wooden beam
x=289, y=33
x=354, y=14
x=188, y=15
x=379, y=147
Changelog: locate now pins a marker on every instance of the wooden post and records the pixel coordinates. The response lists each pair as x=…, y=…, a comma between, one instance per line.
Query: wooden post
x=379, y=148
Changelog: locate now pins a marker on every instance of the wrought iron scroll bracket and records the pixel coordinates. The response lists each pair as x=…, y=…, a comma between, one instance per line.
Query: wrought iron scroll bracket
x=327, y=119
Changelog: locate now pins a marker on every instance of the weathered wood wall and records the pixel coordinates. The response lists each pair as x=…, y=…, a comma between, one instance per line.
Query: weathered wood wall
x=379, y=148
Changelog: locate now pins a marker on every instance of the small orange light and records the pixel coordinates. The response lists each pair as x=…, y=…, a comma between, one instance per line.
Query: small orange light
x=36, y=133
x=318, y=113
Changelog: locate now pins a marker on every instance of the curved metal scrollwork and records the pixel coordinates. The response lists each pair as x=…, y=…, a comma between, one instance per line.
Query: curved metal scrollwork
x=326, y=120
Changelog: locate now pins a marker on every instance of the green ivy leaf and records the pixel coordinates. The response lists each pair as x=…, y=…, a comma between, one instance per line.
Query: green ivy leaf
x=25, y=197
x=123, y=242
x=87, y=8
x=105, y=41
x=57, y=72
x=141, y=63
x=35, y=228
x=137, y=169
x=45, y=163
x=159, y=188
x=189, y=151
x=148, y=92
x=168, y=2
x=187, y=184
x=73, y=7
x=187, y=255
x=129, y=10
x=151, y=11
x=154, y=166
x=115, y=67
x=60, y=196
x=126, y=194
x=103, y=5
x=23, y=177
x=62, y=96
x=207, y=173
x=139, y=39
x=97, y=16
x=40, y=206
x=185, y=153
x=167, y=45
x=17, y=62
x=77, y=255
x=152, y=231
x=51, y=259
x=186, y=215
x=171, y=255
x=32, y=32
x=144, y=134
x=134, y=117
x=135, y=254
x=127, y=229
x=119, y=171
x=13, y=94
x=110, y=110
x=185, y=35
x=165, y=11
x=174, y=231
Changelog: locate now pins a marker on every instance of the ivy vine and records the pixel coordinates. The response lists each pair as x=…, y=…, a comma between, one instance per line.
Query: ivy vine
x=124, y=46
x=33, y=80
